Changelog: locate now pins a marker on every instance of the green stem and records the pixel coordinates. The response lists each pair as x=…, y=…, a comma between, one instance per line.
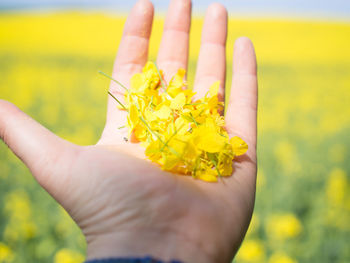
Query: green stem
x=160, y=139
x=214, y=163
x=121, y=104
x=196, y=166
x=166, y=143
x=194, y=120
x=116, y=81
x=194, y=104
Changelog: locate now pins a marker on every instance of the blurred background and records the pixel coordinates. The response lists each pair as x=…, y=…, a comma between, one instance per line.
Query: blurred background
x=51, y=51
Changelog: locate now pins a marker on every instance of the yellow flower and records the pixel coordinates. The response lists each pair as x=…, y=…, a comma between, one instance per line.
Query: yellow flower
x=68, y=256
x=163, y=113
x=238, y=145
x=177, y=83
x=178, y=102
x=280, y=257
x=181, y=135
x=146, y=81
x=336, y=187
x=208, y=175
x=207, y=138
x=133, y=117
x=6, y=254
x=283, y=226
x=251, y=251
x=214, y=89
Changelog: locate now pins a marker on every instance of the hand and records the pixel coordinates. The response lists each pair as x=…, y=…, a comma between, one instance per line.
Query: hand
x=127, y=206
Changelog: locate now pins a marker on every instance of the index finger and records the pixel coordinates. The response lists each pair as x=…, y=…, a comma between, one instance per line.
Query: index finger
x=132, y=56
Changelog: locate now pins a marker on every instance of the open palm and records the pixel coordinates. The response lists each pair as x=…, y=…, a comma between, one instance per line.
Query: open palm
x=125, y=205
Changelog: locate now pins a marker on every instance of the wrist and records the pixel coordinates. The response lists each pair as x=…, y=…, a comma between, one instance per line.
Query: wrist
x=139, y=244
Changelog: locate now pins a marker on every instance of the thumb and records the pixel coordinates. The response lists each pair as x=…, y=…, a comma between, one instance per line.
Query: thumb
x=44, y=153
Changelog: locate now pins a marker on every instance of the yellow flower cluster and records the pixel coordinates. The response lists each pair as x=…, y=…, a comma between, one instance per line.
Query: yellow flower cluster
x=68, y=256
x=181, y=135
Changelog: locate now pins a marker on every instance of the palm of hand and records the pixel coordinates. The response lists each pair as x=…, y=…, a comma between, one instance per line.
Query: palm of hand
x=123, y=193
x=120, y=199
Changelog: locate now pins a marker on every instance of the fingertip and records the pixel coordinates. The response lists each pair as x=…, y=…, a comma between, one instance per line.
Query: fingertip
x=244, y=58
x=140, y=19
x=144, y=5
x=215, y=24
x=217, y=11
x=7, y=108
x=144, y=9
x=243, y=45
x=243, y=40
x=179, y=15
x=183, y=4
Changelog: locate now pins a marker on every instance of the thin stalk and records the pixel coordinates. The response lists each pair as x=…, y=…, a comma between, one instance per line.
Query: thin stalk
x=121, y=104
x=160, y=139
x=214, y=163
x=116, y=81
x=194, y=104
x=196, y=166
x=194, y=120
x=161, y=79
x=166, y=143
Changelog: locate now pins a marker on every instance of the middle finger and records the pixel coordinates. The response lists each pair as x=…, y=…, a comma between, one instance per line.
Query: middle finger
x=173, y=50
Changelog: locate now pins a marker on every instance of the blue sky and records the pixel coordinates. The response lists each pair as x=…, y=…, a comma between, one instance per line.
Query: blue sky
x=327, y=9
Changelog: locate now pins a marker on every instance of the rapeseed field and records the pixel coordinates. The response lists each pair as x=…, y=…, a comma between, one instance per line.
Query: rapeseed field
x=48, y=67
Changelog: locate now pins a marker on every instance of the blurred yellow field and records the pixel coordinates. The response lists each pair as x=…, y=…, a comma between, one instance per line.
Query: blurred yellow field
x=48, y=67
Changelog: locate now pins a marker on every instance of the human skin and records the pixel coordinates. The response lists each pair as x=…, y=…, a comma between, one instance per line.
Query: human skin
x=124, y=204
